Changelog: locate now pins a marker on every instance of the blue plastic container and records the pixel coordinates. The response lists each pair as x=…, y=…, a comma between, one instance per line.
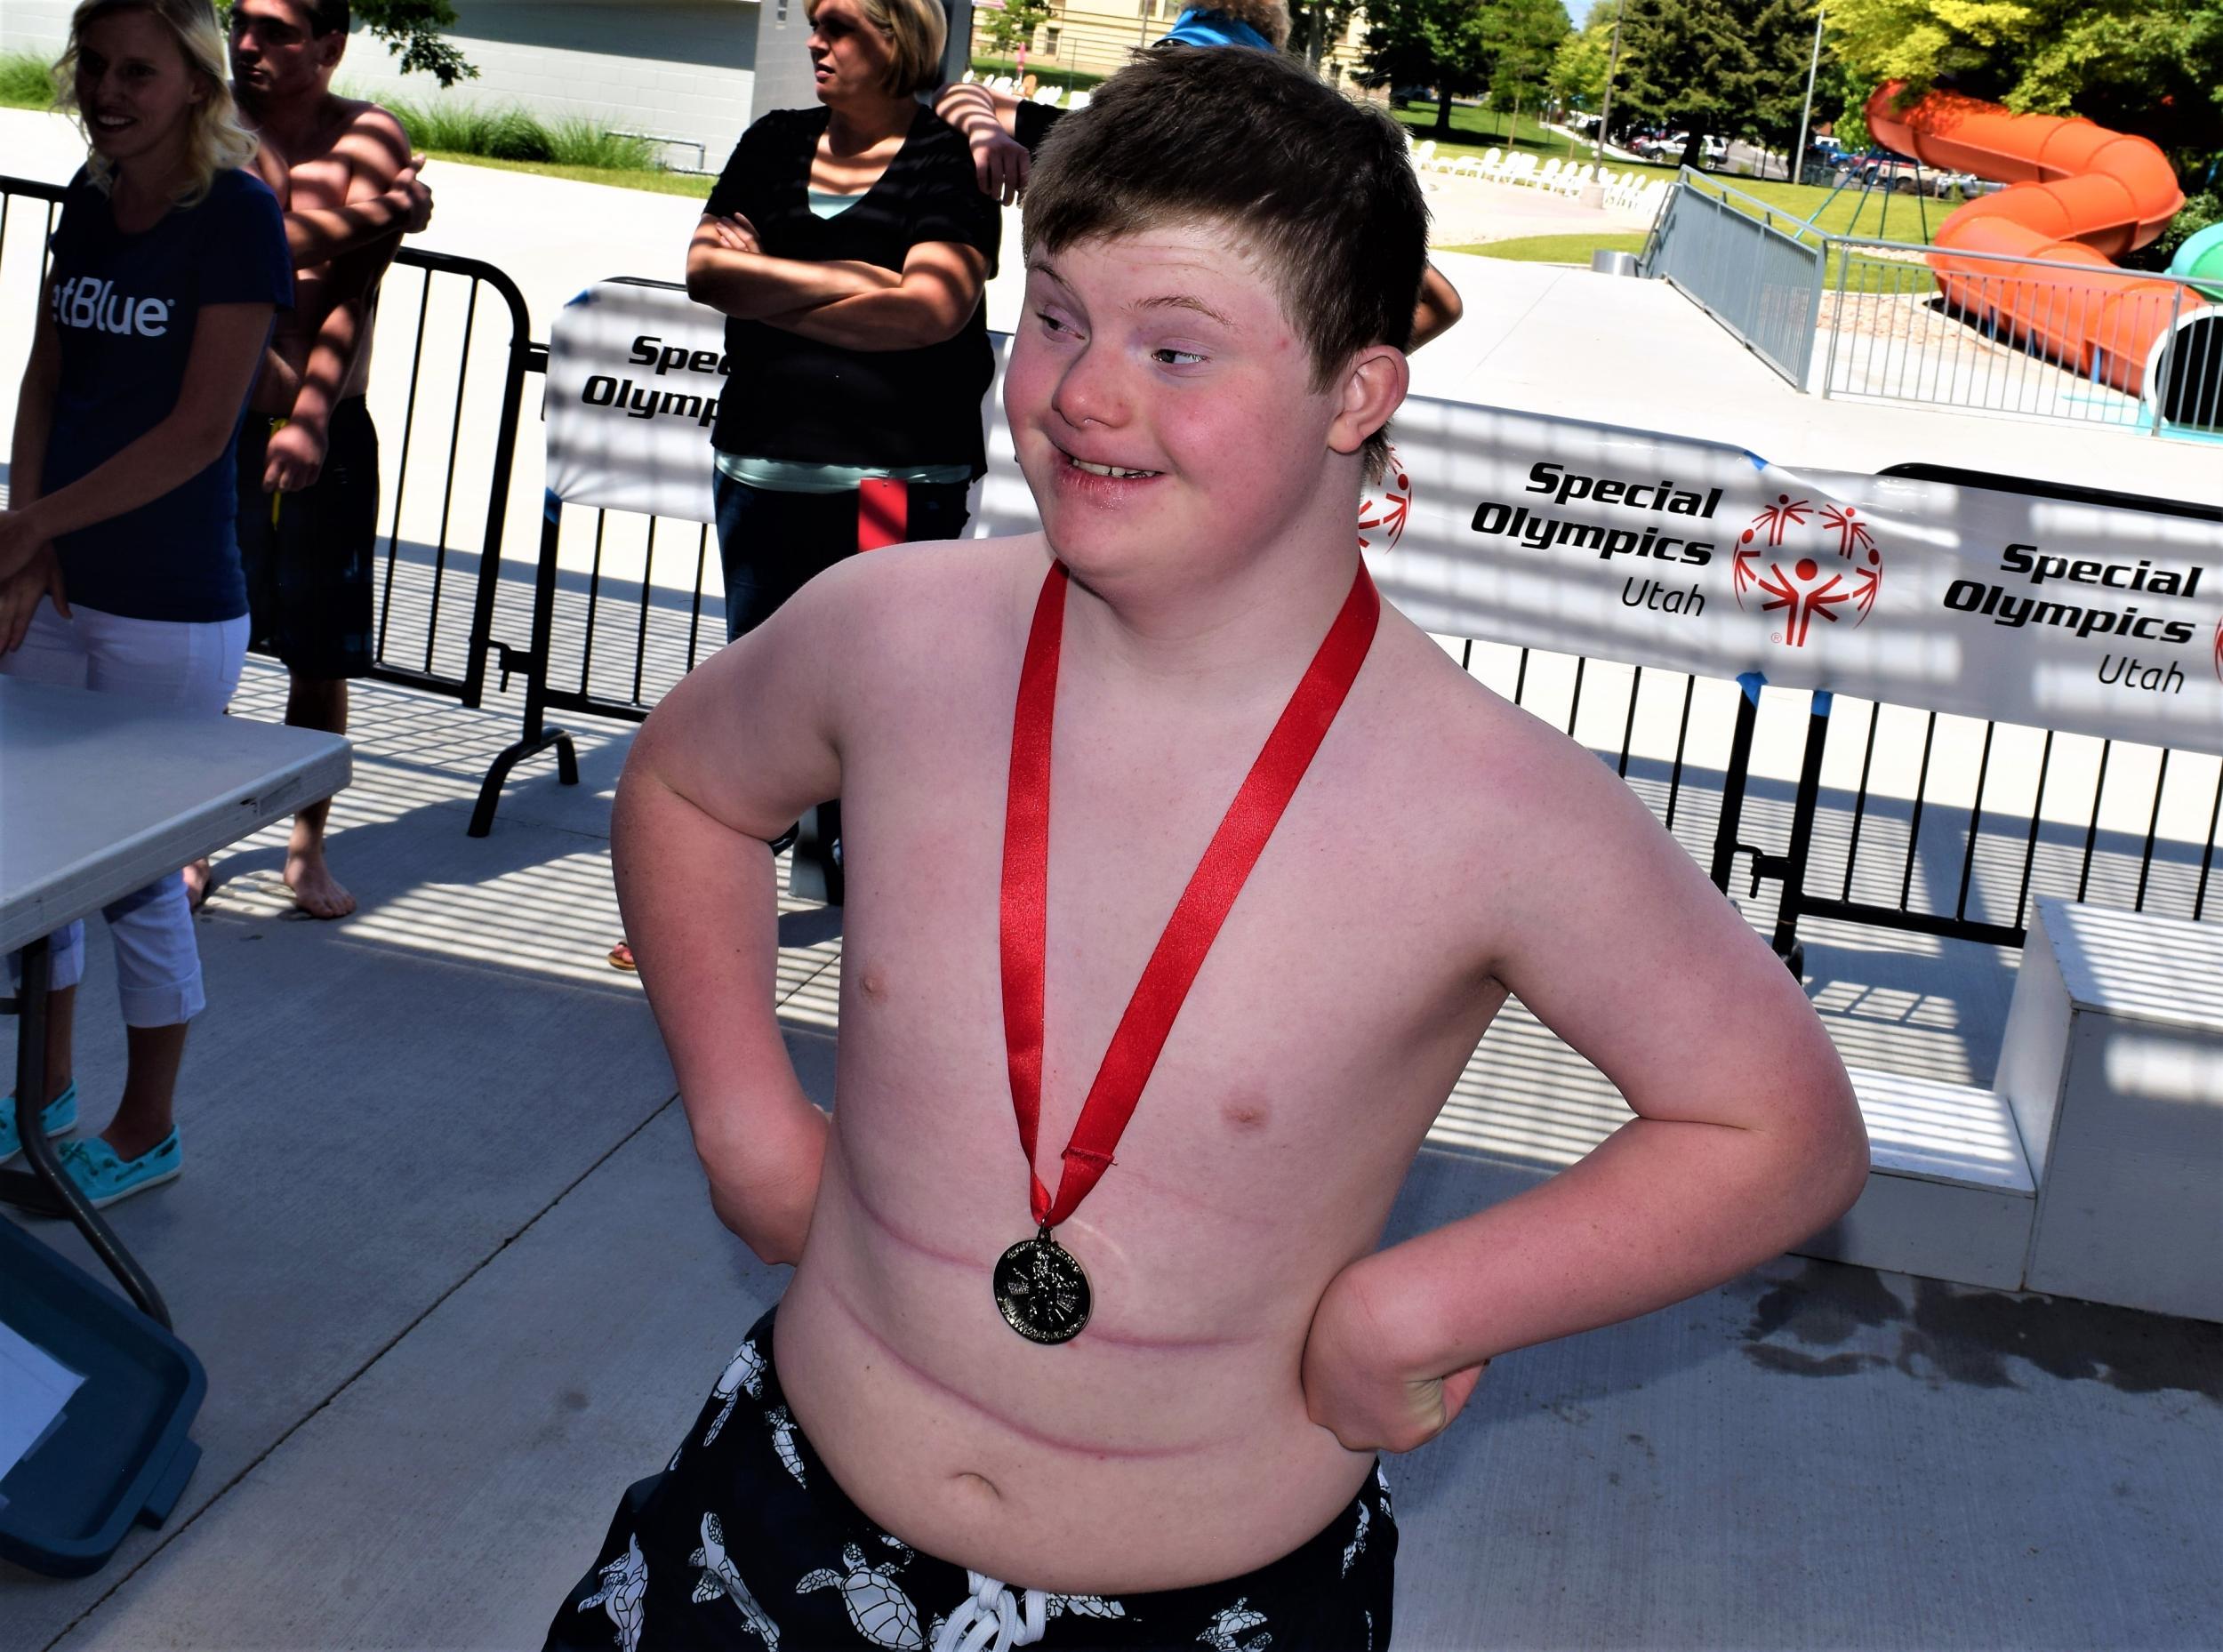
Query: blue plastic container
x=120, y=1453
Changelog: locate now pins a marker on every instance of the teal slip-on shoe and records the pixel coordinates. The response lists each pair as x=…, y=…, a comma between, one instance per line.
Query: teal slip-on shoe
x=103, y=1178
x=59, y=1115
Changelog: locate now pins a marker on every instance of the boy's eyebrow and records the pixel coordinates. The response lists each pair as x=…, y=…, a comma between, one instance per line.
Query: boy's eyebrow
x=1181, y=300
x=1171, y=301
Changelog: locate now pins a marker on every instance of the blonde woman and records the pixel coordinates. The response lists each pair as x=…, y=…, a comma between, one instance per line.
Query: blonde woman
x=119, y=570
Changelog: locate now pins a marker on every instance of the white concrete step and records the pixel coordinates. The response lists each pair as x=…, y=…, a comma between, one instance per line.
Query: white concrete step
x=1950, y=1194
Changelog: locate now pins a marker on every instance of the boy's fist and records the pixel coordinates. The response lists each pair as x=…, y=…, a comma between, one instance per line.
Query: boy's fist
x=294, y=457
x=1354, y=1386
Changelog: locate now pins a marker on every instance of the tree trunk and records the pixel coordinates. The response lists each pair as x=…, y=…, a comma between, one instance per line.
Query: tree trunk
x=1693, y=148
x=1442, y=128
x=1513, y=130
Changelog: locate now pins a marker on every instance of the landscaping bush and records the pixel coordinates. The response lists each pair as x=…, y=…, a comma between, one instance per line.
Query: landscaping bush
x=26, y=83
x=507, y=133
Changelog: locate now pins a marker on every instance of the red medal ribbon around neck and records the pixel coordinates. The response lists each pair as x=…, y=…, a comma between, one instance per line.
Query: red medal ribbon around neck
x=1196, y=920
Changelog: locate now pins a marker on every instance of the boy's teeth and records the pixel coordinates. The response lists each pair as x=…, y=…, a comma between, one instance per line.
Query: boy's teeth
x=1109, y=469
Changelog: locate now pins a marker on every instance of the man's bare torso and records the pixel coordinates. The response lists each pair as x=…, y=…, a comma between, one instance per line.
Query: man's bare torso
x=1169, y=1445
x=339, y=160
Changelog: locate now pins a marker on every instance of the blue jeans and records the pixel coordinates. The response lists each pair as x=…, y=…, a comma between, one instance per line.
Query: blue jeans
x=771, y=545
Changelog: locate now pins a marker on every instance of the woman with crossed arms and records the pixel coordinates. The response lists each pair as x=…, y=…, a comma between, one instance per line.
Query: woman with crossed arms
x=847, y=246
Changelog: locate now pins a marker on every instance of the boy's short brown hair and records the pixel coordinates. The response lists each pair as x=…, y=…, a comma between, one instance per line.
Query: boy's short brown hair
x=1318, y=187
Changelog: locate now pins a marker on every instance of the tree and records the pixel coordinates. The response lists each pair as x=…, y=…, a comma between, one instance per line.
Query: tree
x=1014, y=24
x=413, y=29
x=1428, y=43
x=1579, y=67
x=1523, y=37
x=2149, y=66
x=1690, y=63
x=1782, y=40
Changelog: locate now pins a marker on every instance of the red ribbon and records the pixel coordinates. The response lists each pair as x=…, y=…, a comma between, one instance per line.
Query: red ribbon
x=1218, y=878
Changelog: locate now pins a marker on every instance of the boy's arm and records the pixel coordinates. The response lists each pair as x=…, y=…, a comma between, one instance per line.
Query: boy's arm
x=402, y=206
x=1439, y=310
x=1747, y=1138
x=733, y=755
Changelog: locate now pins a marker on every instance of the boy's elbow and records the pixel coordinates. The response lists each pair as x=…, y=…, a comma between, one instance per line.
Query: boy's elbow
x=1833, y=1153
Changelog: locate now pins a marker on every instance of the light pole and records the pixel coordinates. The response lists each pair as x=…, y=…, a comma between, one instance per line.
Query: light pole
x=1798, y=163
x=1593, y=193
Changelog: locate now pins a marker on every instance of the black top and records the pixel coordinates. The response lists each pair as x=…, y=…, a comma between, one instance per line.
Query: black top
x=791, y=397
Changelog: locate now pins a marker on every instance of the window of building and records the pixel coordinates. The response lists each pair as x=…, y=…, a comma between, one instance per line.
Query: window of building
x=1049, y=40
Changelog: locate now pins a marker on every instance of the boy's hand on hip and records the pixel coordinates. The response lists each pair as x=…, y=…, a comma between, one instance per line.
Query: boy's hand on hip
x=1356, y=1387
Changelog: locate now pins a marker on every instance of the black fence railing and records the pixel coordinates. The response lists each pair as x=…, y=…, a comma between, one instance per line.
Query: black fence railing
x=1868, y=814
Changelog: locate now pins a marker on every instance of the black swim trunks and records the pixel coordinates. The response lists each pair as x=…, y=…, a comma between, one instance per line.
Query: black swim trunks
x=746, y=1543
x=309, y=571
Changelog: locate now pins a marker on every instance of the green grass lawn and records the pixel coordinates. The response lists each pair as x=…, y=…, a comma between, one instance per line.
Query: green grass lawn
x=622, y=178
x=1556, y=249
x=1477, y=130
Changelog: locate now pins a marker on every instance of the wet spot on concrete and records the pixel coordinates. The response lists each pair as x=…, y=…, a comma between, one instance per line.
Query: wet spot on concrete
x=1971, y=1336
x=573, y=1401
x=1824, y=1305
x=1790, y=1362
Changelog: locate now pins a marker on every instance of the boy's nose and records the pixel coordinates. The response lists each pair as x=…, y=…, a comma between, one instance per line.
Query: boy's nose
x=1088, y=392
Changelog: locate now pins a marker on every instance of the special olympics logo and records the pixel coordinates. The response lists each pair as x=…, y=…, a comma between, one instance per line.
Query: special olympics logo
x=1807, y=560
x=1383, y=512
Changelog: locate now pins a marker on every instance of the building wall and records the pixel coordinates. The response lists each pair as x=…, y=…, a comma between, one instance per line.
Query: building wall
x=678, y=68
x=1096, y=38
x=685, y=68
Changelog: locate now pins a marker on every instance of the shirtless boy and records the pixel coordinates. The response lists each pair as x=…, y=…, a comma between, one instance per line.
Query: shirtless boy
x=907, y=1455
x=308, y=457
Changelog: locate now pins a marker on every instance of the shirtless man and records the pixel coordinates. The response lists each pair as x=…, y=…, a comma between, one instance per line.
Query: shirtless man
x=1208, y=357
x=308, y=456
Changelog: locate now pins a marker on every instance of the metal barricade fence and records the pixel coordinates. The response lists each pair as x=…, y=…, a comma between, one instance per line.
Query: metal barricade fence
x=1900, y=321
x=2029, y=337
x=1760, y=281
x=447, y=389
x=1872, y=814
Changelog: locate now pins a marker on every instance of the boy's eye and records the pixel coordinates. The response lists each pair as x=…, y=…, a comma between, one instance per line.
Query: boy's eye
x=1172, y=356
x=1051, y=323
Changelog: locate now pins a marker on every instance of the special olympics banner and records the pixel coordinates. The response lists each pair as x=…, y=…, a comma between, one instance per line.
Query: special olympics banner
x=1659, y=550
x=634, y=373
x=1627, y=545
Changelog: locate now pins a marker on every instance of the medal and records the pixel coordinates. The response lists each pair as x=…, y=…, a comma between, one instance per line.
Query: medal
x=1039, y=1287
x=1040, y=1290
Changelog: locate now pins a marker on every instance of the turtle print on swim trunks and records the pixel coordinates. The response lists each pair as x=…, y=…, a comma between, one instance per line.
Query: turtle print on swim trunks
x=745, y=1542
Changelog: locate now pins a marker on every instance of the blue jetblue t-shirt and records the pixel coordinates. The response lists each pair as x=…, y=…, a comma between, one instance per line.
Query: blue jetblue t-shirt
x=126, y=305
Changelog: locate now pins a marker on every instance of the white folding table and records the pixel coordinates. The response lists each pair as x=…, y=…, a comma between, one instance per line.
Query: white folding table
x=99, y=795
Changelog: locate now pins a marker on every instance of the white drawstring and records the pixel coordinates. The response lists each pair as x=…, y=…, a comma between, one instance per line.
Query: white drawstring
x=990, y=1620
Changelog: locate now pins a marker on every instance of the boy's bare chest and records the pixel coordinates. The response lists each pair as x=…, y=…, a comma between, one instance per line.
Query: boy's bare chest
x=1298, y=1026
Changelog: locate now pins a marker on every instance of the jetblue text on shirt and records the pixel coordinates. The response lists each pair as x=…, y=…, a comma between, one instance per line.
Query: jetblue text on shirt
x=89, y=302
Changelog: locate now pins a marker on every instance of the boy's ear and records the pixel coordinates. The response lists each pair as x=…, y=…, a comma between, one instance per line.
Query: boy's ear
x=1371, y=389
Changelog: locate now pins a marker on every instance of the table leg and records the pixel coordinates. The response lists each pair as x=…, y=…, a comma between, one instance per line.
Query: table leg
x=47, y=1190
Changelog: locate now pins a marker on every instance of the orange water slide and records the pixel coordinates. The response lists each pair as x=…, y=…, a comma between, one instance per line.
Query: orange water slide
x=2077, y=193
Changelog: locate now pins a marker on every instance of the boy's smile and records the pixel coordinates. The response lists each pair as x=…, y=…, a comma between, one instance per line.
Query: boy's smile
x=1161, y=403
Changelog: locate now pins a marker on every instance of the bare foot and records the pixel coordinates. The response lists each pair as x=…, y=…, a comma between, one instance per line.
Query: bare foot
x=316, y=891
x=200, y=879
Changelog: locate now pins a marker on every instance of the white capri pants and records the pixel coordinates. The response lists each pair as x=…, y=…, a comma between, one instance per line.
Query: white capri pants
x=192, y=668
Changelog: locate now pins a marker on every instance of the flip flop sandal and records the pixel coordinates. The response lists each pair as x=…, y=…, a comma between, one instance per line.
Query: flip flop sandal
x=621, y=956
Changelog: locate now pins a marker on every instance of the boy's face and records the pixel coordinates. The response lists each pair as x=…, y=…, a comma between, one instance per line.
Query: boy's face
x=1162, y=406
